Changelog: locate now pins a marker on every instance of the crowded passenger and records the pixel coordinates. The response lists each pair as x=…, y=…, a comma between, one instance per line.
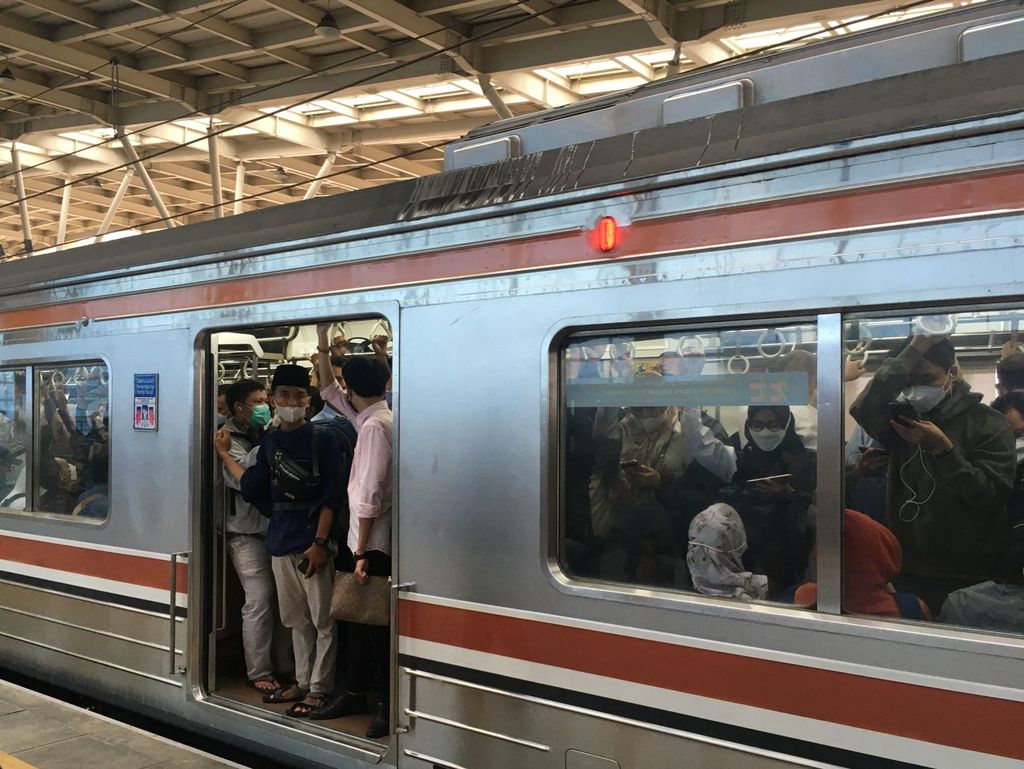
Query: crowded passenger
x=717, y=542
x=295, y=477
x=1010, y=370
x=223, y=411
x=1011, y=406
x=245, y=527
x=951, y=467
x=771, y=491
x=996, y=604
x=369, y=527
x=652, y=467
x=872, y=559
x=94, y=502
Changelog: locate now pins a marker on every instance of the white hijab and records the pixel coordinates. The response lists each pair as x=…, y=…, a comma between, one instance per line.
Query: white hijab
x=716, y=543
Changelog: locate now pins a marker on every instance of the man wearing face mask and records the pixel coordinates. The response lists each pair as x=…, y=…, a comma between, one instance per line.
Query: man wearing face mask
x=296, y=471
x=1011, y=405
x=246, y=529
x=950, y=471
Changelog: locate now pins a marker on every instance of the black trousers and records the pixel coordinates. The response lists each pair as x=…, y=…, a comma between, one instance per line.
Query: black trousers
x=369, y=646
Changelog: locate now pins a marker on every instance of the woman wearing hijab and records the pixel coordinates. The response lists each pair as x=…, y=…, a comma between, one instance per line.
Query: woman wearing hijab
x=771, y=491
x=717, y=542
x=872, y=559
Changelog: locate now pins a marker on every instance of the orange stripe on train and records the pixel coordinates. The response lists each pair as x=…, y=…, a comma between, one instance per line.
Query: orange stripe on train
x=834, y=212
x=117, y=567
x=955, y=719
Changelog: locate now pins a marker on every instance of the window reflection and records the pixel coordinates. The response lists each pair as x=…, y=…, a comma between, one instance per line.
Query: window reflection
x=73, y=436
x=935, y=468
x=14, y=444
x=675, y=442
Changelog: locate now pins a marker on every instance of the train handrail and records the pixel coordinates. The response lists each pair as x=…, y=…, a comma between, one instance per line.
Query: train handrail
x=396, y=588
x=173, y=615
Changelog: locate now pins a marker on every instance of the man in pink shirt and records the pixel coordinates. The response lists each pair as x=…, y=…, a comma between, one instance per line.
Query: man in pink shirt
x=369, y=529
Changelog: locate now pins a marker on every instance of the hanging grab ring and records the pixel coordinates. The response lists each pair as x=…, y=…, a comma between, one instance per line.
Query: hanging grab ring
x=742, y=359
x=780, y=340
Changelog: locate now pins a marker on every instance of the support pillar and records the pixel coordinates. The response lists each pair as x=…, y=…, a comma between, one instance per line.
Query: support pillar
x=314, y=186
x=239, y=187
x=493, y=96
x=218, y=190
x=133, y=156
x=114, y=205
x=19, y=186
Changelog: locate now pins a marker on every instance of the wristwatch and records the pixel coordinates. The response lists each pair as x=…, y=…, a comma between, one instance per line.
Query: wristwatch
x=358, y=557
x=322, y=541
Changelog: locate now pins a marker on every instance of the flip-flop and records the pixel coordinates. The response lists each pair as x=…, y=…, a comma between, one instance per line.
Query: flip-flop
x=291, y=693
x=307, y=706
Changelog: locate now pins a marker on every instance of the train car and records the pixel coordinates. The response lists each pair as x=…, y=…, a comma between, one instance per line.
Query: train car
x=605, y=320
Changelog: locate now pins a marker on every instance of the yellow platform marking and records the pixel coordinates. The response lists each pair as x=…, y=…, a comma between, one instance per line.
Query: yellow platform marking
x=8, y=761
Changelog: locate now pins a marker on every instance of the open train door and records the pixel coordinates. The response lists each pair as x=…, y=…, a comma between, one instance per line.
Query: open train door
x=234, y=355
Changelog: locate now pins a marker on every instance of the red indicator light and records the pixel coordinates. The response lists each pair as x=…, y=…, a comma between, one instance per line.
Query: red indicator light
x=607, y=234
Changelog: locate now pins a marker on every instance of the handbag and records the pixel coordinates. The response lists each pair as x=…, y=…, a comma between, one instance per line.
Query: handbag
x=366, y=604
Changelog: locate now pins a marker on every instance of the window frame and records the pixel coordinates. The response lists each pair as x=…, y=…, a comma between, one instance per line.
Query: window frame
x=829, y=477
x=32, y=369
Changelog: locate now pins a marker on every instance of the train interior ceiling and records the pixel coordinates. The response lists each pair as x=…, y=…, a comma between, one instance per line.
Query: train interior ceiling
x=254, y=353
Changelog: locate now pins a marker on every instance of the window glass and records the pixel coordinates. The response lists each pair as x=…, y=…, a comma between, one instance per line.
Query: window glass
x=934, y=526
x=73, y=466
x=14, y=443
x=689, y=459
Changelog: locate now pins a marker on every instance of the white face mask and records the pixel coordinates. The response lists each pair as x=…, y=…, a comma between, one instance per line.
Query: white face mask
x=1020, y=449
x=922, y=397
x=290, y=413
x=768, y=440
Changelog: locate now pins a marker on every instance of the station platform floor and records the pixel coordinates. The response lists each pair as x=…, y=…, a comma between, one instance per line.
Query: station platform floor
x=39, y=732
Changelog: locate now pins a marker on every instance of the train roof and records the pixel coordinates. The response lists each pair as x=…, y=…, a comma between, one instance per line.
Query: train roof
x=969, y=65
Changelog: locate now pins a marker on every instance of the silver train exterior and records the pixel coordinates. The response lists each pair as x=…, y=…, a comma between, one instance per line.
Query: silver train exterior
x=892, y=178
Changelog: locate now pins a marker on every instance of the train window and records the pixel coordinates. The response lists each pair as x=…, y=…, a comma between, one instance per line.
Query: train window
x=690, y=459
x=14, y=445
x=934, y=527
x=73, y=434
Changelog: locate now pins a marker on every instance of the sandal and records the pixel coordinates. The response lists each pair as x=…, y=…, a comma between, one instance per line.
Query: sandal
x=271, y=684
x=308, y=705
x=293, y=693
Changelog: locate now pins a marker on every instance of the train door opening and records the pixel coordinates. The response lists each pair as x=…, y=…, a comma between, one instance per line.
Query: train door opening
x=260, y=576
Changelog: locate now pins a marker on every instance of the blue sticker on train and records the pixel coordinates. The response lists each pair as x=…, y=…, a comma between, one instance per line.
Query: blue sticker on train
x=145, y=402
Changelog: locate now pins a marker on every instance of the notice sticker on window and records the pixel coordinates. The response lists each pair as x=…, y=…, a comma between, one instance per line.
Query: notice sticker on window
x=146, y=397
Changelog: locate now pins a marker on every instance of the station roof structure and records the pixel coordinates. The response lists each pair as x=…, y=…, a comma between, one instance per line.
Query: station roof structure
x=123, y=116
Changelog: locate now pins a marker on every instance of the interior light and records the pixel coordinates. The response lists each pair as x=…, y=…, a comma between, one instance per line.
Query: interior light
x=607, y=234
x=7, y=77
x=327, y=28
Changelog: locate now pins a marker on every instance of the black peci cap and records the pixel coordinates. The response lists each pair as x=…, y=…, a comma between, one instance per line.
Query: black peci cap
x=290, y=375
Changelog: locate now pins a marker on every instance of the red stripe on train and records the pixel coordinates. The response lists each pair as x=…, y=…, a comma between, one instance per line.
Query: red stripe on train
x=118, y=567
x=894, y=204
x=958, y=720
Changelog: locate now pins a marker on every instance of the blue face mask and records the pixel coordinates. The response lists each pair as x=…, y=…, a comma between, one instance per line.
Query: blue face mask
x=259, y=416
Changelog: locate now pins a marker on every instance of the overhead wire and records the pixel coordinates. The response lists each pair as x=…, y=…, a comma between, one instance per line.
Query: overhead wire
x=112, y=62
x=323, y=95
x=212, y=109
x=396, y=67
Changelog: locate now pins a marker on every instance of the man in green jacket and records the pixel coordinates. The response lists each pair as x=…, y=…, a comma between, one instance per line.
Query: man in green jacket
x=950, y=472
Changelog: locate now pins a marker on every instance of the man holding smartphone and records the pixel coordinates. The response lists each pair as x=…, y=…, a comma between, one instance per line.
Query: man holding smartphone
x=296, y=472
x=950, y=470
